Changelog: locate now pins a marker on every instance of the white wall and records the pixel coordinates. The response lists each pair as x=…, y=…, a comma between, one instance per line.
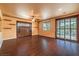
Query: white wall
x=1, y=40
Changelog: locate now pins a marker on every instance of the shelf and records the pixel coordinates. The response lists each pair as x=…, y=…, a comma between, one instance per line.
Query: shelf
x=7, y=28
x=6, y=19
x=12, y=24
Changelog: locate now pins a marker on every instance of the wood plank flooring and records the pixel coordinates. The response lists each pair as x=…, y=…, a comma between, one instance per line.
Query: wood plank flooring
x=39, y=46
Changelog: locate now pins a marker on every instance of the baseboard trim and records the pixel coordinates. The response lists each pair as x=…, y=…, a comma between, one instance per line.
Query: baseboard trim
x=60, y=39
x=24, y=36
x=47, y=37
x=67, y=40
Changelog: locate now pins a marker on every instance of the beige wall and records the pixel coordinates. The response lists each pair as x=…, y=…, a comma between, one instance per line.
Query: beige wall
x=10, y=33
x=35, y=27
x=0, y=25
x=0, y=19
x=50, y=33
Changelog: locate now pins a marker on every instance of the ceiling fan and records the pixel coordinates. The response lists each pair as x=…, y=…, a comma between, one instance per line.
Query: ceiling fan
x=34, y=17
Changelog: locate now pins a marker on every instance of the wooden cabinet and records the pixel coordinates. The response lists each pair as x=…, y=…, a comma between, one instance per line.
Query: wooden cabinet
x=23, y=29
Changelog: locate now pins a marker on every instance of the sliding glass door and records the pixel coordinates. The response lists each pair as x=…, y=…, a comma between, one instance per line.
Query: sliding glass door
x=73, y=28
x=67, y=28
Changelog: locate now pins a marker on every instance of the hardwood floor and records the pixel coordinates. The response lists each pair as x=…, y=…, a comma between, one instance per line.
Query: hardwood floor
x=39, y=46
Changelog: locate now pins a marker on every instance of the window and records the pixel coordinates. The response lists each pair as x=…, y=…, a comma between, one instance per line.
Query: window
x=67, y=28
x=73, y=28
x=46, y=26
x=60, y=28
x=23, y=24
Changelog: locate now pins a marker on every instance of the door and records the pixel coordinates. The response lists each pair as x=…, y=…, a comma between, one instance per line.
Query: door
x=67, y=28
x=24, y=29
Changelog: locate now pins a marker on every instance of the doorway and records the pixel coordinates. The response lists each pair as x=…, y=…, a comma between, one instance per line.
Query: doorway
x=24, y=29
x=67, y=28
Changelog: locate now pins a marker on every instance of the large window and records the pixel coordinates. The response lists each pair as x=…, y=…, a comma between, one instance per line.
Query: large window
x=67, y=28
x=46, y=26
x=73, y=28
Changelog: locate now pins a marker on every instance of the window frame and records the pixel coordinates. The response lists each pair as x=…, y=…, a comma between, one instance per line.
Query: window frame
x=66, y=28
x=46, y=28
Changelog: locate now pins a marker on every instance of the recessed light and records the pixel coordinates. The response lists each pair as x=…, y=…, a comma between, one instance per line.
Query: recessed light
x=60, y=9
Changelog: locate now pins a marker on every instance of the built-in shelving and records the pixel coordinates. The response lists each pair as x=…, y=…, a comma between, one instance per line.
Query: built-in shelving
x=6, y=19
x=7, y=28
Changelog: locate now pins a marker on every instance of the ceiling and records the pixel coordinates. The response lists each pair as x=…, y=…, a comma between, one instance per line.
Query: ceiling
x=44, y=10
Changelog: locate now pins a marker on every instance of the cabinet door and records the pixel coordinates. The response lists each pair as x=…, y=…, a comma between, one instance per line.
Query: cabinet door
x=23, y=29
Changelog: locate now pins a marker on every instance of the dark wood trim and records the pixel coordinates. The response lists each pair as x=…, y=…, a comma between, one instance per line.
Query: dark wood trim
x=24, y=36
x=55, y=28
x=66, y=40
x=7, y=20
x=7, y=28
x=21, y=22
x=58, y=38
x=45, y=36
x=61, y=16
x=12, y=24
x=45, y=20
x=77, y=27
x=66, y=17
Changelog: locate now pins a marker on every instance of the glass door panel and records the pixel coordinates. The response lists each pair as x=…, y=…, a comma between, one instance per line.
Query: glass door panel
x=67, y=23
x=73, y=28
x=67, y=33
x=62, y=24
x=62, y=33
x=58, y=28
x=73, y=34
x=62, y=28
x=73, y=23
x=67, y=28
